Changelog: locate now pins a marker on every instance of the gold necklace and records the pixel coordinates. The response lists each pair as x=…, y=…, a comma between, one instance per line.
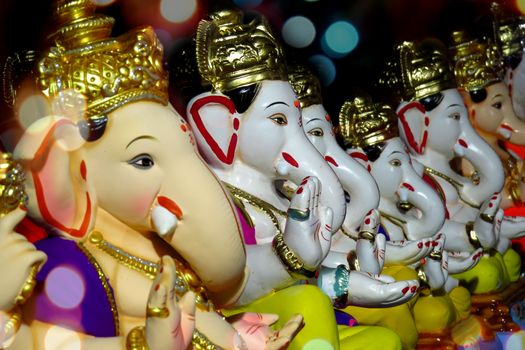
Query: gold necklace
x=258, y=203
x=186, y=279
x=395, y=221
x=457, y=185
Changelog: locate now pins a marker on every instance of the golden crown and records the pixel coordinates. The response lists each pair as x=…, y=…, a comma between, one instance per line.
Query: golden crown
x=108, y=72
x=12, y=178
x=305, y=84
x=231, y=54
x=477, y=64
x=508, y=30
x=418, y=70
x=364, y=123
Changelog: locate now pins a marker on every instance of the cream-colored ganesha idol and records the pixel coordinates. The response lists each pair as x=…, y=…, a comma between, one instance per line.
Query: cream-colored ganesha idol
x=142, y=242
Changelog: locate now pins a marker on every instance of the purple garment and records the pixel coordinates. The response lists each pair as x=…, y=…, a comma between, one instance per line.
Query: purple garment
x=69, y=292
x=344, y=319
x=248, y=232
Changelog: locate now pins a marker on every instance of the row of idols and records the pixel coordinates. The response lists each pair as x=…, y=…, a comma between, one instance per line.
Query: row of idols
x=254, y=222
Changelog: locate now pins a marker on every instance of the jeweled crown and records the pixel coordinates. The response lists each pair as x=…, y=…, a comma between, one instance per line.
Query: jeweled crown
x=305, y=84
x=476, y=64
x=418, y=70
x=364, y=123
x=108, y=72
x=231, y=54
x=508, y=29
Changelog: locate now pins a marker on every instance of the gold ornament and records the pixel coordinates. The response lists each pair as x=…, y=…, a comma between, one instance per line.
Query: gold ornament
x=305, y=84
x=418, y=70
x=509, y=30
x=232, y=54
x=364, y=123
x=12, y=193
x=476, y=64
x=293, y=263
x=136, y=339
x=107, y=72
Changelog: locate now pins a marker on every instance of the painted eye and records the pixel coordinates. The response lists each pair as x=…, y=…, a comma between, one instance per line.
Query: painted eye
x=395, y=162
x=142, y=161
x=279, y=119
x=497, y=105
x=317, y=132
x=455, y=116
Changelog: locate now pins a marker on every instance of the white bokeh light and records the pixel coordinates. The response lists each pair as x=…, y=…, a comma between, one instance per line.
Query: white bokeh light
x=58, y=338
x=31, y=109
x=178, y=11
x=298, y=31
x=65, y=287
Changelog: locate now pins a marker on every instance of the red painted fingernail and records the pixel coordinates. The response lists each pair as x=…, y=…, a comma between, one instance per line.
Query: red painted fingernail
x=183, y=127
x=299, y=190
x=420, y=245
x=491, y=205
x=494, y=197
x=367, y=221
x=405, y=290
x=427, y=244
x=157, y=287
x=304, y=182
x=413, y=289
x=423, y=261
x=161, y=269
x=434, y=243
x=370, y=212
x=23, y=207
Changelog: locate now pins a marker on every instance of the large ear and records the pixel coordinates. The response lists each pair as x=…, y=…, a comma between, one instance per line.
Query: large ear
x=215, y=122
x=55, y=181
x=413, y=125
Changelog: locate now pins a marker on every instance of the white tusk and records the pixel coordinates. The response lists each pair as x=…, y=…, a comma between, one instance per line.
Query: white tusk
x=505, y=133
x=163, y=221
x=282, y=168
x=403, y=194
x=459, y=150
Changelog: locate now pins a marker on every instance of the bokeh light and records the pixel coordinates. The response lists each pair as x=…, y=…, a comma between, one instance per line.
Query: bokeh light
x=58, y=338
x=318, y=344
x=103, y=2
x=178, y=11
x=339, y=39
x=298, y=31
x=31, y=109
x=247, y=3
x=65, y=287
x=324, y=68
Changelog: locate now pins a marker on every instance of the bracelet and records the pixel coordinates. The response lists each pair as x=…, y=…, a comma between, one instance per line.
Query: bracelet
x=436, y=255
x=29, y=286
x=368, y=235
x=11, y=327
x=487, y=218
x=292, y=262
x=136, y=339
x=299, y=215
x=201, y=342
x=471, y=234
x=342, y=278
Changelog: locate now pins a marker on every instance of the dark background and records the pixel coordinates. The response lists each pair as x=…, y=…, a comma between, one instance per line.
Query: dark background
x=380, y=24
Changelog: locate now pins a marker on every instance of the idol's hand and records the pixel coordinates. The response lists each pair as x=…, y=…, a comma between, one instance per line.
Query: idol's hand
x=370, y=246
x=256, y=333
x=170, y=321
x=308, y=227
x=19, y=262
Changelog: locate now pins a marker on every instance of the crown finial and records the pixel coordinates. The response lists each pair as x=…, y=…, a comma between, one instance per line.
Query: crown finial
x=476, y=64
x=106, y=72
x=305, y=84
x=231, y=54
x=365, y=123
x=418, y=70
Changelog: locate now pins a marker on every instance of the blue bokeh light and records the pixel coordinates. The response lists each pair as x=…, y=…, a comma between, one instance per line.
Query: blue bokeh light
x=324, y=68
x=298, y=31
x=339, y=39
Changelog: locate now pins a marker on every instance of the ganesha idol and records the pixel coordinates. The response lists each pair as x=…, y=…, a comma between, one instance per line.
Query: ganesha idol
x=433, y=122
x=247, y=125
x=352, y=239
x=410, y=209
x=479, y=73
x=127, y=253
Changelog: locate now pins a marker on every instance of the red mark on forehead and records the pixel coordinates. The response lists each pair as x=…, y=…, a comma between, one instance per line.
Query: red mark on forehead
x=83, y=170
x=327, y=117
x=171, y=206
x=408, y=186
x=288, y=158
x=462, y=143
x=296, y=103
x=331, y=160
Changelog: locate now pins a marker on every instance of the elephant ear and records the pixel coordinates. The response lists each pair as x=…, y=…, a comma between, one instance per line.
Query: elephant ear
x=413, y=125
x=55, y=183
x=360, y=156
x=215, y=121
